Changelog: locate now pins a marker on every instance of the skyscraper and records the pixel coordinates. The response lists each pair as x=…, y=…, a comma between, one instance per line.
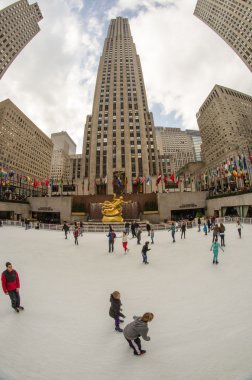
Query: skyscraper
x=119, y=140
x=18, y=25
x=177, y=144
x=232, y=21
x=196, y=139
x=225, y=124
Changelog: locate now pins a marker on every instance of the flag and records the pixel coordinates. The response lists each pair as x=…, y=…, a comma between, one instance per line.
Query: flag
x=148, y=181
x=35, y=183
x=118, y=181
x=135, y=181
x=105, y=179
x=172, y=177
x=39, y=183
x=61, y=182
x=244, y=163
x=158, y=179
x=142, y=180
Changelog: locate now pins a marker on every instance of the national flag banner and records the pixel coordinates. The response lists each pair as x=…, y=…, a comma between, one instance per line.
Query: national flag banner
x=172, y=177
x=39, y=183
x=61, y=182
x=135, y=181
x=142, y=180
x=244, y=163
x=118, y=182
x=158, y=179
x=34, y=183
x=105, y=179
x=165, y=179
x=148, y=181
x=47, y=182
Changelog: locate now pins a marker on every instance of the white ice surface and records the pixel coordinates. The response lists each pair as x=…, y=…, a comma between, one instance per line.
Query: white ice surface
x=202, y=328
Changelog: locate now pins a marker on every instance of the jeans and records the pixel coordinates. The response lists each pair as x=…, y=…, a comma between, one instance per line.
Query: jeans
x=145, y=259
x=222, y=240
x=173, y=235
x=135, y=344
x=15, y=298
x=111, y=246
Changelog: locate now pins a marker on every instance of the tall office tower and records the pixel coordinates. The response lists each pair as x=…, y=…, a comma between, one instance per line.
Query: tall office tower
x=18, y=25
x=231, y=19
x=23, y=146
x=119, y=139
x=225, y=124
x=63, y=147
x=196, y=139
x=177, y=144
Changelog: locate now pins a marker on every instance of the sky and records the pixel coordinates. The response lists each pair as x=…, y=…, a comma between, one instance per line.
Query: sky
x=53, y=79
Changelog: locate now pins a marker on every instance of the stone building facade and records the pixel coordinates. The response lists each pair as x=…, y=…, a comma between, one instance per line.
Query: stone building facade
x=18, y=25
x=119, y=139
x=231, y=20
x=63, y=148
x=225, y=124
x=23, y=146
x=176, y=144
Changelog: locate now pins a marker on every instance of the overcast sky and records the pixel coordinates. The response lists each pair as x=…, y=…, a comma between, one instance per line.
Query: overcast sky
x=53, y=79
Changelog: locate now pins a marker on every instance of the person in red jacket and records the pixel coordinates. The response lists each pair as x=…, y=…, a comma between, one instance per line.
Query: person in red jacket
x=11, y=285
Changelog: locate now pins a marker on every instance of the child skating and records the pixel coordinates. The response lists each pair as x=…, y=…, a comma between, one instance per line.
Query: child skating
x=145, y=249
x=215, y=248
x=136, y=329
x=115, y=310
x=173, y=231
x=76, y=235
x=125, y=242
x=205, y=228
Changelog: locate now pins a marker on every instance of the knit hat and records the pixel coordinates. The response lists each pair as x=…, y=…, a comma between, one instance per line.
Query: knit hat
x=147, y=317
x=116, y=294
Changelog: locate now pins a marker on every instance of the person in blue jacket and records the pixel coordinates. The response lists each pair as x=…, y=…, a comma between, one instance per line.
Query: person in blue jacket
x=205, y=228
x=215, y=248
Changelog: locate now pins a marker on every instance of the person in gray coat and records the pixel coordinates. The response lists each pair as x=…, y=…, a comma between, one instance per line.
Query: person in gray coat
x=136, y=329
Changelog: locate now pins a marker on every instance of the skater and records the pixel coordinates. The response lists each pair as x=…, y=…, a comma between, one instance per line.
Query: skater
x=115, y=310
x=76, y=234
x=81, y=228
x=148, y=228
x=127, y=225
x=11, y=286
x=125, y=242
x=136, y=329
x=139, y=232
x=209, y=225
x=222, y=234
x=205, y=228
x=215, y=248
x=173, y=230
x=215, y=232
x=111, y=235
x=239, y=227
x=133, y=229
x=65, y=228
x=152, y=235
x=145, y=249
x=183, y=229
x=199, y=224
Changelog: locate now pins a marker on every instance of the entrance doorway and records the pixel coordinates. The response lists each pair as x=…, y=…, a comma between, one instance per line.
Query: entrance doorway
x=189, y=214
x=47, y=217
x=7, y=215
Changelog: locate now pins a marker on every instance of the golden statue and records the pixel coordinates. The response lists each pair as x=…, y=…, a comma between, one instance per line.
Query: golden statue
x=112, y=211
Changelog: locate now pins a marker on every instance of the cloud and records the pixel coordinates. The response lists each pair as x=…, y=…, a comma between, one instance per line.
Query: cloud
x=53, y=79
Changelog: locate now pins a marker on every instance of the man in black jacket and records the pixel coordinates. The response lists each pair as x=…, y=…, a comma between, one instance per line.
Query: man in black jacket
x=145, y=249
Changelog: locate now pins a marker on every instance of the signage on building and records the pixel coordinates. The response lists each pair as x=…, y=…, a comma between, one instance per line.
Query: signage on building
x=45, y=209
x=188, y=205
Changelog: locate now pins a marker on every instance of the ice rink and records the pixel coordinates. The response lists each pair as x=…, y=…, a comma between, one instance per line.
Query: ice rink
x=202, y=328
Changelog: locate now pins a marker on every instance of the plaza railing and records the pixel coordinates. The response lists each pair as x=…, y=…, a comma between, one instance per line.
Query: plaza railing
x=99, y=227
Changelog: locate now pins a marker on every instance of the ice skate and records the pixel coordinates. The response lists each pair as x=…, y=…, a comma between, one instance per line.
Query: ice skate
x=118, y=329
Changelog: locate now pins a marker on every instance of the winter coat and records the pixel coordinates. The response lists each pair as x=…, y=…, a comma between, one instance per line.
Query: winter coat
x=222, y=229
x=205, y=227
x=136, y=328
x=215, y=247
x=148, y=227
x=114, y=310
x=76, y=233
x=10, y=280
x=145, y=249
x=111, y=236
x=65, y=228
